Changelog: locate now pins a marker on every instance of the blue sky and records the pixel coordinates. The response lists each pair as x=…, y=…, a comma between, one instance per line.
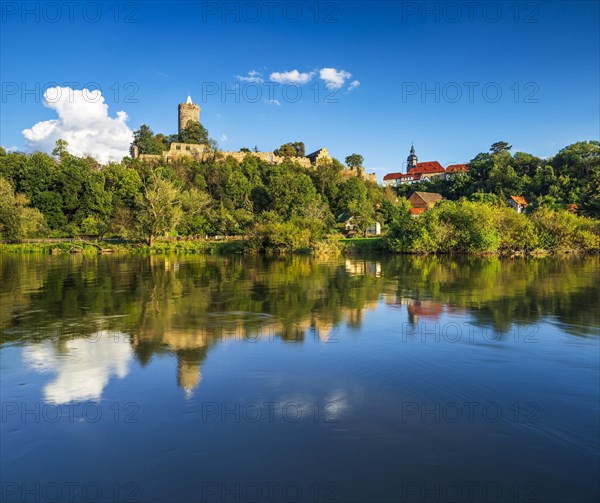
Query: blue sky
x=428, y=73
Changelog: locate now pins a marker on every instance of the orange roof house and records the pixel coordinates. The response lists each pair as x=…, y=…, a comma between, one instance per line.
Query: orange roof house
x=517, y=203
x=422, y=201
x=457, y=168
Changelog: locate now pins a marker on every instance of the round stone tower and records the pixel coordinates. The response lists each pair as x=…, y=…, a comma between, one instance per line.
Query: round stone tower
x=188, y=111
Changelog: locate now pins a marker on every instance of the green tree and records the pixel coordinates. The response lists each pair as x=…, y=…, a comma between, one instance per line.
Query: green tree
x=290, y=193
x=17, y=220
x=158, y=210
x=500, y=146
x=60, y=148
x=194, y=132
x=147, y=142
x=354, y=161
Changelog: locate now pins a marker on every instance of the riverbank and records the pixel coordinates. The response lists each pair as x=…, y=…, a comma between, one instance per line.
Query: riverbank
x=327, y=247
x=183, y=247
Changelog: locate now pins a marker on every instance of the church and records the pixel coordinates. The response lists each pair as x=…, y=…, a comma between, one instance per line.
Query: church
x=422, y=171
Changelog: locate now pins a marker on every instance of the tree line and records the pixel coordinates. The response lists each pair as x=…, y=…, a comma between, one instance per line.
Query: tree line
x=288, y=207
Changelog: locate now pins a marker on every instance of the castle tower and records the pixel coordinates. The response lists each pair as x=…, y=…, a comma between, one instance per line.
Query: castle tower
x=188, y=111
x=412, y=159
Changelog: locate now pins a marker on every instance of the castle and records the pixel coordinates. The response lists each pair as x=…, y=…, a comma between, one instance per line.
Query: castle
x=190, y=111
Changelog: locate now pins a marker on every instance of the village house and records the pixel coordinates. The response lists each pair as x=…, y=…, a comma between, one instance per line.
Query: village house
x=517, y=203
x=453, y=169
x=423, y=201
x=350, y=228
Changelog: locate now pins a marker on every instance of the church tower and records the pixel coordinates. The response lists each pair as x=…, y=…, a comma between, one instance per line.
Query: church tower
x=412, y=159
x=188, y=111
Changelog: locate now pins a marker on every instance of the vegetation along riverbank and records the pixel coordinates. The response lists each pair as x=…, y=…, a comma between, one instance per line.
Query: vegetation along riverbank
x=499, y=203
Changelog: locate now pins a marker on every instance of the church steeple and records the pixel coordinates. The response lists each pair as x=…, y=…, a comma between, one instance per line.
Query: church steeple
x=412, y=159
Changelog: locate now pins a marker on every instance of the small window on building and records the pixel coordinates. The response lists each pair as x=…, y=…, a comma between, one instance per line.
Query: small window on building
x=187, y=148
x=178, y=147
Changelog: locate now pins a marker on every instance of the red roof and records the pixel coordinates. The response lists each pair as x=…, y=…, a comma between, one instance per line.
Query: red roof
x=520, y=200
x=393, y=176
x=421, y=168
x=426, y=167
x=455, y=168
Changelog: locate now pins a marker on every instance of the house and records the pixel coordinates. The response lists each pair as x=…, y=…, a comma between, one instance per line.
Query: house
x=571, y=208
x=517, y=203
x=346, y=219
x=422, y=201
x=456, y=168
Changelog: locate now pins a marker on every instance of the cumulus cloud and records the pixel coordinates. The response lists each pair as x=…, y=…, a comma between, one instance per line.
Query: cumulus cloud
x=293, y=77
x=353, y=85
x=253, y=77
x=83, y=121
x=334, y=77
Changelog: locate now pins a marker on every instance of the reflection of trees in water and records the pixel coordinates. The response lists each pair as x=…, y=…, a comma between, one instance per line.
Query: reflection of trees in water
x=184, y=305
x=500, y=293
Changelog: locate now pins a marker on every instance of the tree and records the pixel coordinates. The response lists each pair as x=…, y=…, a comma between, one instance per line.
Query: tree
x=194, y=132
x=291, y=149
x=245, y=150
x=60, y=148
x=286, y=150
x=500, y=146
x=158, y=209
x=147, y=142
x=354, y=161
x=578, y=159
x=17, y=221
x=363, y=215
x=290, y=193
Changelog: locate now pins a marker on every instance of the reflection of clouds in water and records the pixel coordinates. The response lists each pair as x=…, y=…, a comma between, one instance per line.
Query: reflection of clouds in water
x=83, y=366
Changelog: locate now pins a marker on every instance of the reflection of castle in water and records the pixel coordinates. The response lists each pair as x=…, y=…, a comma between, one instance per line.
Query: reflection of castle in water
x=191, y=345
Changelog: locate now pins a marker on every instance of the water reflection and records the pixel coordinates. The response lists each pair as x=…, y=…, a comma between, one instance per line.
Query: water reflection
x=68, y=311
x=83, y=367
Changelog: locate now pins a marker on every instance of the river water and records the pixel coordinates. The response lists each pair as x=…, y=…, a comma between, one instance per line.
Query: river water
x=205, y=378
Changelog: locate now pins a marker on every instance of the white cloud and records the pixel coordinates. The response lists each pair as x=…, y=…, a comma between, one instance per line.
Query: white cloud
x=253, y=77
x=224, y=137
x=293, y=77
x=353, y=85
x=83, y=121
x=83, y=367
x=333, y=77
x=273, y=102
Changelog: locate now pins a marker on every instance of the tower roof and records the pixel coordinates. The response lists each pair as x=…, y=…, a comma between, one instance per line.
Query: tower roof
x=412, y=159
x=189, y=100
